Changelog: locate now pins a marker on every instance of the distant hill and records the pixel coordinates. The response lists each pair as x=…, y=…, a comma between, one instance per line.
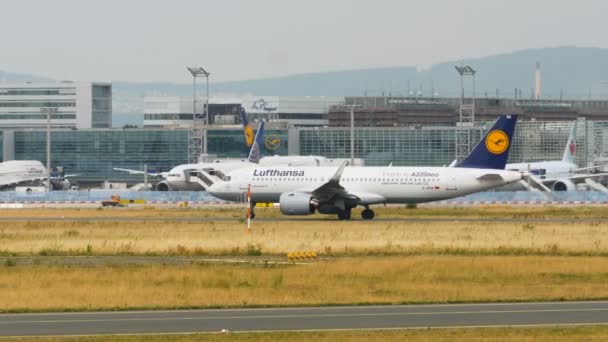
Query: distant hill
x=570, y=71
x=573, y=72
x=8, y=77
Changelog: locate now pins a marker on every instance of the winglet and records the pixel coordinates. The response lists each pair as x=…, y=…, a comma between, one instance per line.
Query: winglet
x=336, y=177
x=333, y=184
x=255, y=154
x=493, y=149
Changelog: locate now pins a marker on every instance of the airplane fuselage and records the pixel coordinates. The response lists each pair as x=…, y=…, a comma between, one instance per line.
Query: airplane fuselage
x=181, y=177
x=21, y=172
x=372, y=184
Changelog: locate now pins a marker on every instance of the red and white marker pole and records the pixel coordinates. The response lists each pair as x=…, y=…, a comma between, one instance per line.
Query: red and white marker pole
x=249, y=208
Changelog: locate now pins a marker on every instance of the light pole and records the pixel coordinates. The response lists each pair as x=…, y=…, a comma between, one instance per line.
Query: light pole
x=48, y=111
x=200, y=72
x=352, y=133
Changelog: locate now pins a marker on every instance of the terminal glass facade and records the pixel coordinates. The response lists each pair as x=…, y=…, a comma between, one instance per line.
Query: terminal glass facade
x=381, y=146
x=226, y=143
x=435, y=146
x=92, y=154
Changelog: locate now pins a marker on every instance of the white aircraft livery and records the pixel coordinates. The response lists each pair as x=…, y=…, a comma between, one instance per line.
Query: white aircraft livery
x=200, y=176
x=559, y=175
x=22, y=172
x=331, y=190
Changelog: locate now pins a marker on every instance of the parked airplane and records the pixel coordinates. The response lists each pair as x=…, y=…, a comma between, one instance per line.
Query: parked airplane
x=330, y=190
x=559, y=175
x=200, y=176
x=26, y=173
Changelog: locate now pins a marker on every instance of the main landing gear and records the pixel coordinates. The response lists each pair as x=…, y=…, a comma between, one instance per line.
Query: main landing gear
x=344, y=215
x=366, y=214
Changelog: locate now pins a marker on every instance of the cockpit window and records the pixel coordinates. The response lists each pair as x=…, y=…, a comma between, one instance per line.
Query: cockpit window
x=226, y=179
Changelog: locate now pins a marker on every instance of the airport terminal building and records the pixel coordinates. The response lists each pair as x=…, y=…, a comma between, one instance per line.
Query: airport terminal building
x=79, y=105
x=302, y=111
x=401, y=131
x=93, y=153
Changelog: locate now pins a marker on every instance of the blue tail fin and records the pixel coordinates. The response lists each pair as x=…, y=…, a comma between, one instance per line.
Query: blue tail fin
x=247, y=128
x=493, y=149
x=256, y=153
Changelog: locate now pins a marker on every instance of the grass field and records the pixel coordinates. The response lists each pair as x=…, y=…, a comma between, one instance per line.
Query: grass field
x=335, y=238
x=237, y=211
x=587, y=333
x=419, y=279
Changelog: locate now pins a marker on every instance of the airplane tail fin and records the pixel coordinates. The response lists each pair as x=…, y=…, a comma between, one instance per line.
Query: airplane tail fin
x=570, y=151
x=493, y=149
x=255, y=154
x=247, y=129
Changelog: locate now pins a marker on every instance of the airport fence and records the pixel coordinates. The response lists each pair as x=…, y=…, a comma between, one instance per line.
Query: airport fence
x=94, y=196
x=200, y=197
x=529, y=197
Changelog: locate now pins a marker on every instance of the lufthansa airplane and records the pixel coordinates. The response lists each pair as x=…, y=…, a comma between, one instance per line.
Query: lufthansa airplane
x=331, y=190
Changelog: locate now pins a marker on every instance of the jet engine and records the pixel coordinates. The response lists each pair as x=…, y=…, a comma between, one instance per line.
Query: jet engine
x=162, y=186
x=60, y=184
x=297, y=203
x=563, y=185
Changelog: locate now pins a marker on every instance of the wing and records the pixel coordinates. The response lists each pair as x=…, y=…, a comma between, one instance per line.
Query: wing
x=580, y=178
x=135, y=172
x=332, y=187
x=13, y=179
x=335, y=193
x=599, y=167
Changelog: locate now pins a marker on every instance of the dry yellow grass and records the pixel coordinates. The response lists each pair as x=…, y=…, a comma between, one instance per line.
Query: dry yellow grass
x=591, y=333
x=237, y=211
x=419, y=279
x=337, y=238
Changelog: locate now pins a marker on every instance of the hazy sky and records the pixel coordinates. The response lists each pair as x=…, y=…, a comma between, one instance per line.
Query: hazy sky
x=133, y=40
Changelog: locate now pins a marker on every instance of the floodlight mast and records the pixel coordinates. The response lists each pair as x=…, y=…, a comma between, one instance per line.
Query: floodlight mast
x=200, y=72
x=352, y=132
x=48, y=111
x=466, y=113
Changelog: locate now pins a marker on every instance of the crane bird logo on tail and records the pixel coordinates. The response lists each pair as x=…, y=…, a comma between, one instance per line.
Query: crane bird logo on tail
x=497, y=142
x=249, y=135
x=272, y=142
